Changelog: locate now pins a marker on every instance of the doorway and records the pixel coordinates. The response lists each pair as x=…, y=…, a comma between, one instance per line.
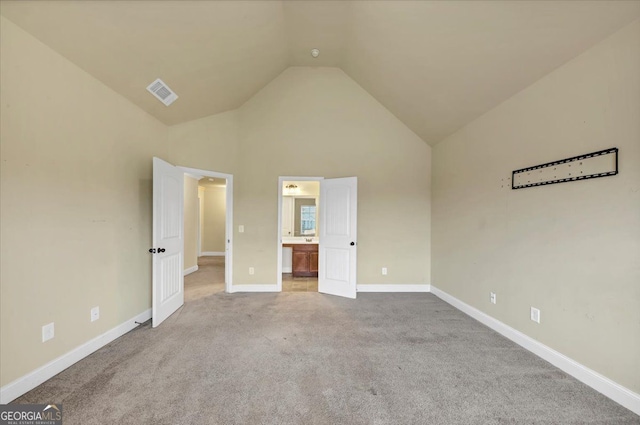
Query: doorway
x=167, y=277
x=335, y=235
x=298, y=238
x=204, y=236
x=218, y=249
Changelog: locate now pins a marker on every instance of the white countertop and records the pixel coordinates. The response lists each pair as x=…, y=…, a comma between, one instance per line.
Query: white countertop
x=299, y=240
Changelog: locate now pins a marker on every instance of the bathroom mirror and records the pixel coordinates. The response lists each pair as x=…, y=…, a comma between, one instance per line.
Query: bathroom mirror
x=304, y=218
x=299, y=216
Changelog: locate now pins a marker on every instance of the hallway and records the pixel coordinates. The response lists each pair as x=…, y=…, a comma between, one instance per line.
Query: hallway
x=207, y=280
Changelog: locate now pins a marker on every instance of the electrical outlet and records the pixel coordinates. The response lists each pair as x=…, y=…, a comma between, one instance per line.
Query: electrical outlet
x=535, y=314
x=47, y=332
x=384, y=271
x=95, y=313
x=241, y=228
x=493, y=298
x=251, y=270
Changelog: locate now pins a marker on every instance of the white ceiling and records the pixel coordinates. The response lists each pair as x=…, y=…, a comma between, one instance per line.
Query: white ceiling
x=436, y=65
x=212, y=182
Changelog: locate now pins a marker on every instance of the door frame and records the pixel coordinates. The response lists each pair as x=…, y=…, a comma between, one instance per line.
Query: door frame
x=228, y=252
x=281, y=180
x=199, y=224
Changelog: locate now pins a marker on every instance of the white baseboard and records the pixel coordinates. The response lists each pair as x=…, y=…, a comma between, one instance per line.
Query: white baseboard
x=253, y=288
x=212, y=254
x=22, y=385
x=190, y=270
x=600, y=383
x=394, y=288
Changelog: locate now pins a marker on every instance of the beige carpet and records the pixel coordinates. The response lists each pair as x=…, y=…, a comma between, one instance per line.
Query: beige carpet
x=207, y=280
x=309, y=358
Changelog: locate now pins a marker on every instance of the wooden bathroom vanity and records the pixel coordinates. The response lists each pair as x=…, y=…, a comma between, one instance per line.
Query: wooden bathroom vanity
x=304, y=259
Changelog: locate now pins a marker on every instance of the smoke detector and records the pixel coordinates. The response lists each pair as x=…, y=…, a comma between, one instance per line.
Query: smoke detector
x=162, y=92
x=315, y=53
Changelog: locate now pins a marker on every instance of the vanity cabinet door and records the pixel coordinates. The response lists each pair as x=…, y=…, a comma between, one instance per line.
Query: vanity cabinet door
x=313, y=262
x=300, y=263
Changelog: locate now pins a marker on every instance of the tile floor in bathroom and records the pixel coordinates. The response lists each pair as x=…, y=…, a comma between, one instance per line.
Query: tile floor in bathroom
x=299, y=284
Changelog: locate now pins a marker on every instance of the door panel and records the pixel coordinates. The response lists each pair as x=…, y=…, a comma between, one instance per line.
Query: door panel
x=168, y=204
x=338, y=233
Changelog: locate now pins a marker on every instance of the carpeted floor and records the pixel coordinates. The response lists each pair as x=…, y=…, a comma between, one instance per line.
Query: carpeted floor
x=309, y=358
x=207, y=280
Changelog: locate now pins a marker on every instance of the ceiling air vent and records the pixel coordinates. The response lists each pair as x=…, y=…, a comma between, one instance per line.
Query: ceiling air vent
x=160, y=90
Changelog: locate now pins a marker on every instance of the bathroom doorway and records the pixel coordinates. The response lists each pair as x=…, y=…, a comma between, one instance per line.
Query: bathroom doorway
x=298, y=235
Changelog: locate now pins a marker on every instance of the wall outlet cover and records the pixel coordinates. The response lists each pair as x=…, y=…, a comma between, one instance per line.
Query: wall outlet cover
x=493, y=298
x=48, y=332
x=535, y=314
x=384, y=271
x=95, y=313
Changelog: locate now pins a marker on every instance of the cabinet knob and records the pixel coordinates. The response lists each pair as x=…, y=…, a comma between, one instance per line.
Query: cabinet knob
x=352, y=243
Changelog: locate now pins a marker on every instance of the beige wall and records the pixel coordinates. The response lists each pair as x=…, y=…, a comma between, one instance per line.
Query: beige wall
x=571, y=250
x=84, y=153
x=191, y=216
x=319, y=122
x=209, y=143
x=346, y=133
x=214, y=210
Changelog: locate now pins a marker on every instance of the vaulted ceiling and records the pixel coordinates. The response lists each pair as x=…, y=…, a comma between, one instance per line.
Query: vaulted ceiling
x=436, y=65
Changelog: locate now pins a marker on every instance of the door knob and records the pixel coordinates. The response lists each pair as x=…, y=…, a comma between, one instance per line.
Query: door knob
x=352, y=243
x=161, y=250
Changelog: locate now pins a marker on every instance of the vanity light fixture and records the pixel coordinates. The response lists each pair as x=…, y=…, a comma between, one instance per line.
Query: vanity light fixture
x=291, y=188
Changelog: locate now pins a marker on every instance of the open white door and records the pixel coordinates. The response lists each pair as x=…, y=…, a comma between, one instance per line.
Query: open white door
x=338, y=232
x=168, y=245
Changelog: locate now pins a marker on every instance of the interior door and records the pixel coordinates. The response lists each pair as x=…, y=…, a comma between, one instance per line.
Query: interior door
x=338, y=231
x=168, y=245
